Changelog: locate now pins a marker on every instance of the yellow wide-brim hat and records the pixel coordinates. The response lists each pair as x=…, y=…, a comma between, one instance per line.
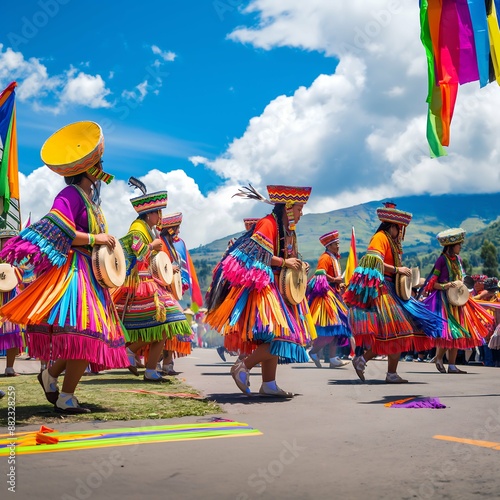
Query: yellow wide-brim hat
x=74, y=148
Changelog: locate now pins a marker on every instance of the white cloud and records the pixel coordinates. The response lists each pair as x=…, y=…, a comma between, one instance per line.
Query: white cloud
x=166, y=55
x=205, y=217
x=51, y=93
x=358, y=134
x=35, y=81
x=139, y=92
x=86, y=90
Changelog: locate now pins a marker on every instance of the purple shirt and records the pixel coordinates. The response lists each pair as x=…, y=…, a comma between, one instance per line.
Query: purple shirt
x=70, y=203
x=442, y=268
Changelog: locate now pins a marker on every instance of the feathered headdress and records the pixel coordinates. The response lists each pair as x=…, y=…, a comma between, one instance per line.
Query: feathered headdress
x=147, y=202
x=250, y=193
x=138, y=184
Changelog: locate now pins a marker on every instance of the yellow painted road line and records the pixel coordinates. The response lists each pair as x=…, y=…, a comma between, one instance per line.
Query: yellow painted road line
x=474, y=442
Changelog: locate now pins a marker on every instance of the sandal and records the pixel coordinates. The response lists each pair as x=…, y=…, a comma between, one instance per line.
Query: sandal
x=243, y=383
x=440, y=367
x=455, y=370
x=359, y=364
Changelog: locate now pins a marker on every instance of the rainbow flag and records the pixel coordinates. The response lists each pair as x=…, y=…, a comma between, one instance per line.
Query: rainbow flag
x=352, y=259
x=461, y=39
x=9, y=177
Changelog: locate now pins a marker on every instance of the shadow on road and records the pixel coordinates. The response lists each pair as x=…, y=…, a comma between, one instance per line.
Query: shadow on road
x=242, y=399
x=369, y=382
x=389, y=399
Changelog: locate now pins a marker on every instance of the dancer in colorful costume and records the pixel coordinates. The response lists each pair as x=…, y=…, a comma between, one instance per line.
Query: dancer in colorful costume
x=249, y=222
x=70, y=317
x=329, y=313
x=464, y=326
x=244, y=301
x=147, y=308
x=182, y=263
x=11, y=338
x=379, y=319
x=170, y=227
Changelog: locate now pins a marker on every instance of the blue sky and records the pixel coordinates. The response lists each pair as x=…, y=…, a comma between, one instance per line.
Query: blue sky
x=206, y=94
x=200, y=96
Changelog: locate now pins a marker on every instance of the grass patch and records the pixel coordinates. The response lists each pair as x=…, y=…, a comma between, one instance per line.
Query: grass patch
x=107, y=397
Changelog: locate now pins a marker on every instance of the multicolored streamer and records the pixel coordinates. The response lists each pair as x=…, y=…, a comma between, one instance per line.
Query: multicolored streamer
x=9, y=177
x=50, y=440
x=461, y=39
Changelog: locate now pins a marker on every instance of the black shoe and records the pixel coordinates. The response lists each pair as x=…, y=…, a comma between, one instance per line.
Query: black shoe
x=51, y=396
x=221, y=351
x=133, y=369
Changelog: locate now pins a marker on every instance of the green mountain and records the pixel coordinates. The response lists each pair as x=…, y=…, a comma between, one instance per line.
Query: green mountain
x=477, y=214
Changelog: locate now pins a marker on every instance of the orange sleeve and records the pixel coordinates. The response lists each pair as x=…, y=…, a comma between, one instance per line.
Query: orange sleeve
x=380, y=243
x=266, y=234
x=325, y=263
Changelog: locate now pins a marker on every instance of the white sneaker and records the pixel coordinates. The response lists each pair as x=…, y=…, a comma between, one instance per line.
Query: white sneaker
x=277, y=393
x=69, y=406
x=394, y=378
x=336, y=362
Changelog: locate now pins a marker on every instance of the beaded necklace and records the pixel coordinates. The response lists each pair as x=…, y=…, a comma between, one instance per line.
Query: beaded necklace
x=96, y=220
x=455, y=269
x=291, y=244
x=288, y=242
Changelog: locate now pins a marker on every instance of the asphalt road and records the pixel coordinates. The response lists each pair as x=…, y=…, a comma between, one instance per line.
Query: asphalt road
x=335, y=439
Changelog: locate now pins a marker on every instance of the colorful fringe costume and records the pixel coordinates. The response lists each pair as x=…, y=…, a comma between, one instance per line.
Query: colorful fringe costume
x=464, y=326
x=494, y=342
x=148, y=310
x=245, y=304
x=378, y=317
x=68, y=314
x=10, y=334
x=328, y=311
x=178, y=254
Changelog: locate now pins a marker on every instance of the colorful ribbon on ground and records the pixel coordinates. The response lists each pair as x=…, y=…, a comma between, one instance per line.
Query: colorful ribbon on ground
x=50, y=440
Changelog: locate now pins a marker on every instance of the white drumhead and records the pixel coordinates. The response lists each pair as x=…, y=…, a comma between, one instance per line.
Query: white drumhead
x=176, y=286
x=161, y=268
x=109, y=265
x=8, y=278
x=459, y=295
